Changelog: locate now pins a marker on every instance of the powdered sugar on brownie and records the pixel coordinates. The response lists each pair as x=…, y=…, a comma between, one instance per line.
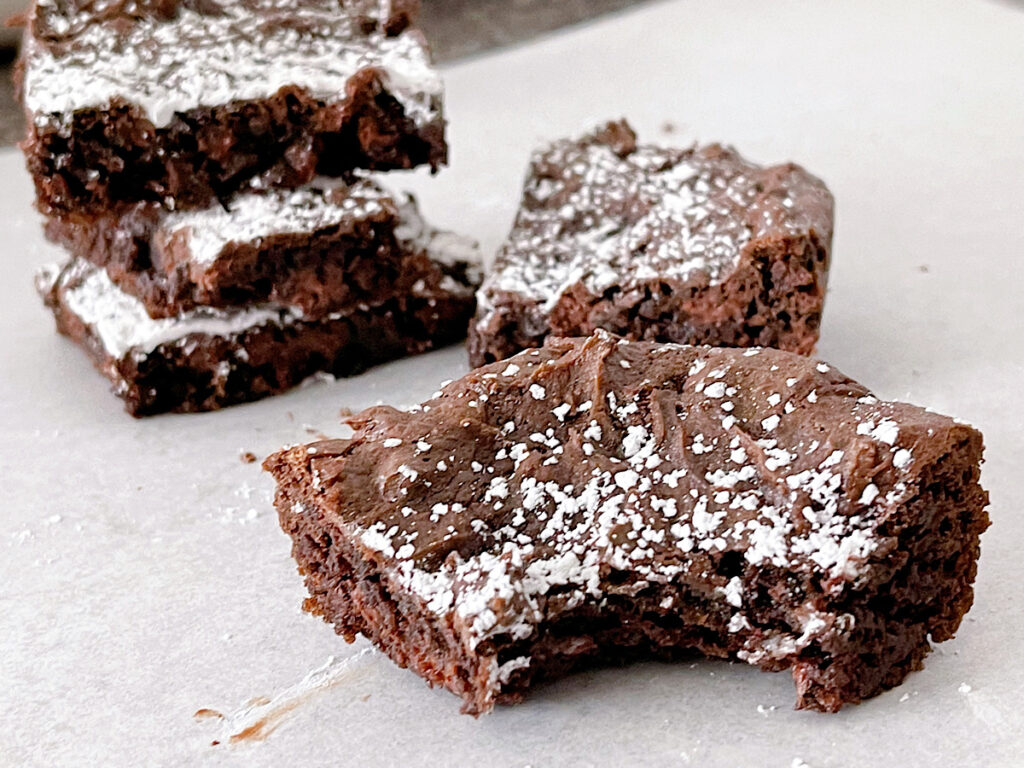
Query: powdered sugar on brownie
x=251, y=216
x=605, y=482
x=122, y=325
x=560, y=506
x=603, y=213
x=245, y=51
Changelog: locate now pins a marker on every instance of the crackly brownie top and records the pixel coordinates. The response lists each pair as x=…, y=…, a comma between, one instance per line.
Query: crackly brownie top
x=605, y=212
x=168, y=56
x=590, y=467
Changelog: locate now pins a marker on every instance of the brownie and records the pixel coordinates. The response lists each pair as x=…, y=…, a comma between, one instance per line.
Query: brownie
x=694, y=246
x=207, y=358
x=600, y=500
x=322, y=250
x=184, y=102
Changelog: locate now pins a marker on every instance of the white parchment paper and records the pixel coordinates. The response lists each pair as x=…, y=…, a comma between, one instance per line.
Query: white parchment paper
x=143, y=578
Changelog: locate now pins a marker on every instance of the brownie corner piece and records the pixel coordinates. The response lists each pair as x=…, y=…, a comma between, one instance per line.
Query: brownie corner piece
x=599, y=500
x=695, y=246
x=236, y=92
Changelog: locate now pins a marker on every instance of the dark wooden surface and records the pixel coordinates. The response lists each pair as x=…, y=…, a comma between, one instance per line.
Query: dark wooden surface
x=456, y=29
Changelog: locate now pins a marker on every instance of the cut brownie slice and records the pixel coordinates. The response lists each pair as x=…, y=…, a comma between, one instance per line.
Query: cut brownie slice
x=694, y=246
x=320, y=250
x=207, y=358
x=600, y=500
x=185, y=101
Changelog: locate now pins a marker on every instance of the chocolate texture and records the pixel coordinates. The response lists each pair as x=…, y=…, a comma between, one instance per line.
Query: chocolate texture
x=320, y=249
x=598, y=500
x=695, y=246
x=207, y=358
x=187, y=103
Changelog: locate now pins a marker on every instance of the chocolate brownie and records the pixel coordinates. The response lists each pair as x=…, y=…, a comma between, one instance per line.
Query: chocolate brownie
x=322, y=250
x=694, y=246
x=184, y=102
x=600, y=500
x=208, y=358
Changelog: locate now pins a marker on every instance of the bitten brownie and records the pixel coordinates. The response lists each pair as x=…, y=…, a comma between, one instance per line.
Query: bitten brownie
x=208, y=358
x=184, y=102
x=321, y=250
x=600, y=500
x=694, y=246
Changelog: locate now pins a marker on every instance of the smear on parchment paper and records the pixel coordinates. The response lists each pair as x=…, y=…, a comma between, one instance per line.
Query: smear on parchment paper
x=986, y=709
x=259, y=717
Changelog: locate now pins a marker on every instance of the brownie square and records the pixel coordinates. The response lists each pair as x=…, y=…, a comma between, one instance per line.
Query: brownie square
x=319, y=249
x=599, y=500
x=695, y=246
x=207, y=358
x=185, y=102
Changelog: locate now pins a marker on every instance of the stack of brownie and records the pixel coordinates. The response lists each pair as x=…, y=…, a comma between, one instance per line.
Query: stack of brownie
x=203, y=163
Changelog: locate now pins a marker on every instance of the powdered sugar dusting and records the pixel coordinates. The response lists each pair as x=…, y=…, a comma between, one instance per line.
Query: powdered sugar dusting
x=247, y=51
x=251, y=216
x=122, y=325
x=595, y=216
x=641, y=501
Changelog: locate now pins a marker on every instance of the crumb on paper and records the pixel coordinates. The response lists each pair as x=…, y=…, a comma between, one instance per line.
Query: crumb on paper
x=239, y=515
x=964, y=689
x=205, y=713
x=247, y=457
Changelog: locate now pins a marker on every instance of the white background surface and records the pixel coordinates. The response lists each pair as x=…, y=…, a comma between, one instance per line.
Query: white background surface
x=142, y=572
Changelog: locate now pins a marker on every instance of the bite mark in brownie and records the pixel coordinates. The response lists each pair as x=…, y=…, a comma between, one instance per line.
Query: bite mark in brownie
x=320, y=249
x=184, y=103
x=207, y=358
x=600, y=500
x=695, y=246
